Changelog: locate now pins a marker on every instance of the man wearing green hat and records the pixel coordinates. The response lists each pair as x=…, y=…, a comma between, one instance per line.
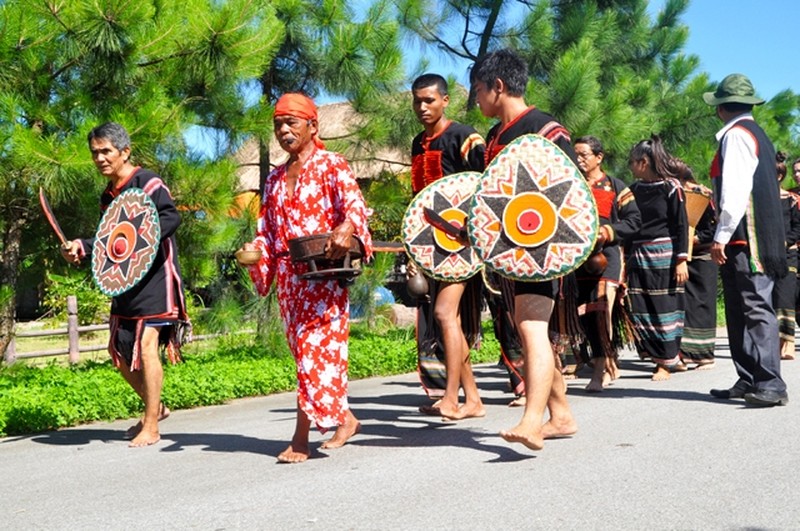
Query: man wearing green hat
x=748, y=243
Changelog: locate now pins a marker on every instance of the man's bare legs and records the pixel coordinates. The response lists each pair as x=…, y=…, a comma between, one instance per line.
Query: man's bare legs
x=350, y=427
x=544, y=386
x=147, y=383
x=136, y=381
x=298, y=450
x=456, y=354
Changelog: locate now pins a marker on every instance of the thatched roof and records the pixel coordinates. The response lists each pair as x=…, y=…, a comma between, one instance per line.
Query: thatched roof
x=336, y=121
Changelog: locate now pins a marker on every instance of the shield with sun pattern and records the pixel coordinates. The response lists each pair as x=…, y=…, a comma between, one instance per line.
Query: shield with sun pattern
x=126, y=243
x=533, y=216
x=438, y=254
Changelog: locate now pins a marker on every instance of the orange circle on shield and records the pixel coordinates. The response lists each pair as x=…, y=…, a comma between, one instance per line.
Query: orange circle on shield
x=530, y=219
x=121, y=242
x=444, y=240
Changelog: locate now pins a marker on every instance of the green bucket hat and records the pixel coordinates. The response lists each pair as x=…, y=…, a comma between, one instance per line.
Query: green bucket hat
x=735, y=88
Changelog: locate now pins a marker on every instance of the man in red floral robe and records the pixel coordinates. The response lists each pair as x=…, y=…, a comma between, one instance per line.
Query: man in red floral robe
x=314, y=192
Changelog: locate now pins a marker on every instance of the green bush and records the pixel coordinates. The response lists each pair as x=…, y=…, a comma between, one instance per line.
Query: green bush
x=93, y=306
x=45, y=398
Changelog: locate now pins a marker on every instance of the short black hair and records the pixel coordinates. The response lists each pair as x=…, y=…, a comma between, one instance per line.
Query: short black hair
x=502, y=64
x=430, y=80
x=592, y=141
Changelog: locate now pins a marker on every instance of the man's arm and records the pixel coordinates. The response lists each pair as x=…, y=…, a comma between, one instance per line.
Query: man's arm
x=629, y=218
x=168, y=216
x=740, y=162
x=473, y=151
x=350, y=205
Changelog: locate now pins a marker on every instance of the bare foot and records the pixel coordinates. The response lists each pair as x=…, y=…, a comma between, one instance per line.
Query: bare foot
x=134, y=430
x=660, y=374
x=705, y=365
x=570, y=372
x=343, y=433
x=294, y=455
x=519, y=401
x=466, y=411
x=432, y=409
x=787, y=349
x=597, y=384
x=612, y=369
x=600, y=376
x=145, y=438
x=559, y=429
x=530, y=437
x=448, y=408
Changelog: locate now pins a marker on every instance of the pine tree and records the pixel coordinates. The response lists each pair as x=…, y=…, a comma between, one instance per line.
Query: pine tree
x=327, y=49
x=154, y=66
x=602, y=67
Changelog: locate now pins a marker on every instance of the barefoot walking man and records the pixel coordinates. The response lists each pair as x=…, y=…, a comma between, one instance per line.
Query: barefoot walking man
x=449, y=321
x=313, y=192
x=150, y=313
x=499, y=80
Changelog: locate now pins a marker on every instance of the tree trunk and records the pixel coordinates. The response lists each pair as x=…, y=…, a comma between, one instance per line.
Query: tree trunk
x=9, y=273
x=263, y=166
x=483, y=48
x=263, y=144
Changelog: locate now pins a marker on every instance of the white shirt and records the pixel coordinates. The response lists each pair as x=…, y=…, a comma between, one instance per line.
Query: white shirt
x=739, y=152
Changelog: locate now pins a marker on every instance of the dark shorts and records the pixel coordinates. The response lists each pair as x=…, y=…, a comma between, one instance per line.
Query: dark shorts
x=548, y=288
x=126, y=335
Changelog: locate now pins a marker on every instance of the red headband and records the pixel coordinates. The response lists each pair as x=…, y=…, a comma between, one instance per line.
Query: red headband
x=300, y=106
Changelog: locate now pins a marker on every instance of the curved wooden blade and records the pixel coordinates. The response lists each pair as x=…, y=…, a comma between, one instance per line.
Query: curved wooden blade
x=51, y=218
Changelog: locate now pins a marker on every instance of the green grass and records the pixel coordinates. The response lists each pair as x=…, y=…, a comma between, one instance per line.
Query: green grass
x=39, y=398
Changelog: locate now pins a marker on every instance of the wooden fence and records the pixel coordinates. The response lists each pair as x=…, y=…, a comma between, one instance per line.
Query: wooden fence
x=73, y=332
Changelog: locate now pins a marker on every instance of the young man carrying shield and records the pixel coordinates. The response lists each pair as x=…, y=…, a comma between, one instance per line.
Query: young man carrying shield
x=150, y=312
x=448, y=320
x=499, y=80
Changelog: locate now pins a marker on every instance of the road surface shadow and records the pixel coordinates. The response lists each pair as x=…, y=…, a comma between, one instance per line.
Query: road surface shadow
x=170, y=442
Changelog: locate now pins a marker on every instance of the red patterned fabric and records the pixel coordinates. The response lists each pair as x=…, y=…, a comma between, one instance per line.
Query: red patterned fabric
x=605, y=201
x=315, y=313
x=530, y=121
x=455, y=149
x=426, y=168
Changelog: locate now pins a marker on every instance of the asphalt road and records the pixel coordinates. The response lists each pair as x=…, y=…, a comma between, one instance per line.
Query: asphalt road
x=648, y=455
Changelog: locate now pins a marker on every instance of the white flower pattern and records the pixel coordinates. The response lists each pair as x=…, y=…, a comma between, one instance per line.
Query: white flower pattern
x=315, y=313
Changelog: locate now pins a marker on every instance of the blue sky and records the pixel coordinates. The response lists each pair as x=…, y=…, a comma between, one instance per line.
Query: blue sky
x=752, y=37
x=758, y=38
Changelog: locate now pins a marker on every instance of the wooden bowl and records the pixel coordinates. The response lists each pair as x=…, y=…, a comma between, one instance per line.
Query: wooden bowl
x=307, y=248
x=311, y=250
x=247, y=258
